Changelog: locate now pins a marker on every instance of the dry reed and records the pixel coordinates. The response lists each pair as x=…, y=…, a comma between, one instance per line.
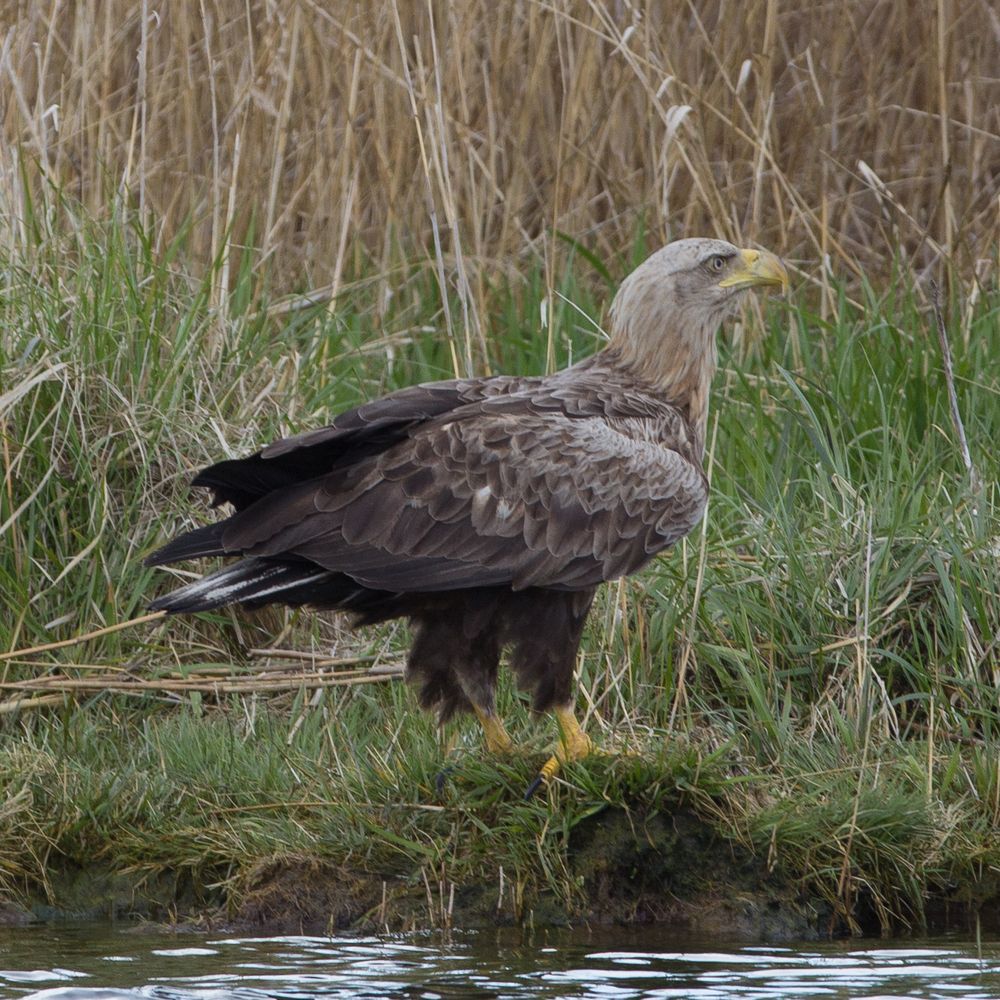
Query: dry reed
x=334, y=135
x=218, y=681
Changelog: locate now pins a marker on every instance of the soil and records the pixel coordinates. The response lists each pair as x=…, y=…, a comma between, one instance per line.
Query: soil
x=668, y=869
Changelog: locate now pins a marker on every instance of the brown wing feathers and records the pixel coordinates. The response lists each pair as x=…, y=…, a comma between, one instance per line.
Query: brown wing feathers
x=465, y=484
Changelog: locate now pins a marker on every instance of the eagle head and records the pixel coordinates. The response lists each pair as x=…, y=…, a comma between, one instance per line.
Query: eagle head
x=667, y=311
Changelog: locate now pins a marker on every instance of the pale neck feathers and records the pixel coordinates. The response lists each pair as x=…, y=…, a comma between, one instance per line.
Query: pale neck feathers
x=667, y=343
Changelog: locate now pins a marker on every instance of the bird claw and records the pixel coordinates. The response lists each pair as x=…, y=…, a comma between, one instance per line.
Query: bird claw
x=442, y=777
x=533, y=787
x=548, y=770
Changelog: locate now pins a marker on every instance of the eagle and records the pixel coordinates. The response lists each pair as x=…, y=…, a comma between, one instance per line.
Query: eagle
x=487, y=511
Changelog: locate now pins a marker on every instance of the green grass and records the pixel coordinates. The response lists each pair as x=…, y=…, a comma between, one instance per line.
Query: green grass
x=815, y=674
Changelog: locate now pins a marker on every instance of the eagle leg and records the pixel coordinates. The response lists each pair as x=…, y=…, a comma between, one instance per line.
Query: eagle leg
x=498, y=741
x=573, y=744
x=497, y=738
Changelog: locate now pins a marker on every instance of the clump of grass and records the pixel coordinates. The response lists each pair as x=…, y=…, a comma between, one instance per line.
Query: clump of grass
x=814, y=674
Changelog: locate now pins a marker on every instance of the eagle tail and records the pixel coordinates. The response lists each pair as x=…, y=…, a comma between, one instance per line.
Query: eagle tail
x=253, y=583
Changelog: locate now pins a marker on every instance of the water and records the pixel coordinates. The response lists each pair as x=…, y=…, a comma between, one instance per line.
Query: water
x=113, y=963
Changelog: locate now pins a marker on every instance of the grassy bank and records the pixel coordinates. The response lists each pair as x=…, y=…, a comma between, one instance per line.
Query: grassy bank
x=812, y=678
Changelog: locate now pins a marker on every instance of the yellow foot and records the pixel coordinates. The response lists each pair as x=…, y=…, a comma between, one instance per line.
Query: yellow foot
x=497, y=738
x=573, y=744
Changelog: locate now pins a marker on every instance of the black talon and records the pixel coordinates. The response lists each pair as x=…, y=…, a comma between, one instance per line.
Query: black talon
x=533, y=787
x=442, y=776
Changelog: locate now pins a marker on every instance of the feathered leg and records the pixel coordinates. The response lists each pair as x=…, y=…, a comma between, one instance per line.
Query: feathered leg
x=454, y=657
x=544, y=628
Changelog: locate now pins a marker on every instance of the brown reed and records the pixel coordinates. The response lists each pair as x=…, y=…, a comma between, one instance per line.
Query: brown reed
x=337, y=135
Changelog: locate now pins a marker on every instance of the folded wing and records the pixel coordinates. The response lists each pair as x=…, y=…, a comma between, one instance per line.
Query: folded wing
x=499, y=492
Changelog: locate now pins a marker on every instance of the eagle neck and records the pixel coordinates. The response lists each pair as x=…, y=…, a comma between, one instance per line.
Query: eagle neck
x=680, y=377
x=665, y=337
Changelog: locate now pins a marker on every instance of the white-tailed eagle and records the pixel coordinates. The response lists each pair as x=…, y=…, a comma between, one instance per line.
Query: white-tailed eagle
x=488, y=511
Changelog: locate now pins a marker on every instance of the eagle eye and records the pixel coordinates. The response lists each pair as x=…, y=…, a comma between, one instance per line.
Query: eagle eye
x=717, y=263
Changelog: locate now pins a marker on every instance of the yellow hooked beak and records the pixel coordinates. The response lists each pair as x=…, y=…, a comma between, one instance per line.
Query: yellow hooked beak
x=756, y=267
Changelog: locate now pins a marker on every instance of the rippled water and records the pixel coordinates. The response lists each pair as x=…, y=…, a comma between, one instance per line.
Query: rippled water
x=93, y=963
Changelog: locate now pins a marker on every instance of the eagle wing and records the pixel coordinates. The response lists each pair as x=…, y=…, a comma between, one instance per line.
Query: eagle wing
x=354, y=434
x=512, y=490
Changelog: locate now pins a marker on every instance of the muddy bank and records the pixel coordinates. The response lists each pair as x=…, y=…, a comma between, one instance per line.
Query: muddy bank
x=668, y=869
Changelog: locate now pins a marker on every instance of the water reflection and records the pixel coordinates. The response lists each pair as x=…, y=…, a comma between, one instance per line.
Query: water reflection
x=100, y=963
